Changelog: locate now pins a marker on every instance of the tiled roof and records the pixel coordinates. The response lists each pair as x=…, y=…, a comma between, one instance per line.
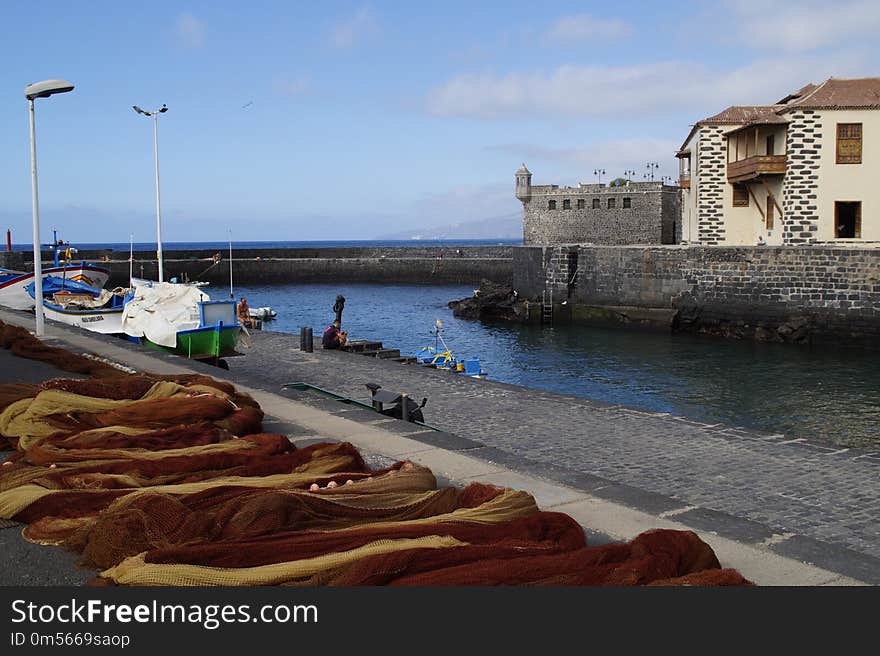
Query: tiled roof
x=808, y=88
x=744, y=114
x=833, y=93
x=857, y=93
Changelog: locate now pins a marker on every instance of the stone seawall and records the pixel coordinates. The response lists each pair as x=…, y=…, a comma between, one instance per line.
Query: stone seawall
x=800, y=294
x=466, y=265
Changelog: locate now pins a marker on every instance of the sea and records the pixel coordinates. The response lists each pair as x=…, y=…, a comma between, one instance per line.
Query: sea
x=224, y=245
x=826, y=393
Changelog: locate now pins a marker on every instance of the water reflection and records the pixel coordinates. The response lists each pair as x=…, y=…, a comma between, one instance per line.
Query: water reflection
x=826, y=393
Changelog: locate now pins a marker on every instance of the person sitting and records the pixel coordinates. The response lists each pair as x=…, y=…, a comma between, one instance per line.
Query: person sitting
x=333, y=337
x=244, y=313
x=761, y=241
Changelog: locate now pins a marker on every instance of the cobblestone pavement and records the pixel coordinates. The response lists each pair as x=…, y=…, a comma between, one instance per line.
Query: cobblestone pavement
x=798, y=496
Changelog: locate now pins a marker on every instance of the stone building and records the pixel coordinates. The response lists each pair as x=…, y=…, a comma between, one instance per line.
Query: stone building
x=800, y=171
x=632, y=213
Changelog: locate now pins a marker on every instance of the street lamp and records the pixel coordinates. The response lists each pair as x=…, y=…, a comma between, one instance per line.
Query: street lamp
x=600, y=173
x=155, y=114
x=630, y=174
x=652, y=166
x=31, y=92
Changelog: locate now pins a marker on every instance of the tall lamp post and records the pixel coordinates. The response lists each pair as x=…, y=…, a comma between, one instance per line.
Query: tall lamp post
x=599, y=173
x=155, y=114
x=652, y=166
x=31, y=92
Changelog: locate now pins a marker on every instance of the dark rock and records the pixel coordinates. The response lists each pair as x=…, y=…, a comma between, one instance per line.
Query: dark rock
x=491, y=301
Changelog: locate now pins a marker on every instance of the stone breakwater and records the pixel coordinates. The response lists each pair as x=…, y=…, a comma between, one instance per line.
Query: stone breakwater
x=418, y=265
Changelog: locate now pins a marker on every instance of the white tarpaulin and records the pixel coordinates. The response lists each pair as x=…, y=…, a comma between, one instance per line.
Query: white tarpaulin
x=160, y=309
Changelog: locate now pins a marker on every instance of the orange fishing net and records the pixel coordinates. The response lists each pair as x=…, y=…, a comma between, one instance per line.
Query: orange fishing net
x=169, y=480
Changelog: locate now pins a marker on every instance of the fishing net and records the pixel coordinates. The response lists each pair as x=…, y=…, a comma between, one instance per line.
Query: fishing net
x=24, y=345
x=169, y=480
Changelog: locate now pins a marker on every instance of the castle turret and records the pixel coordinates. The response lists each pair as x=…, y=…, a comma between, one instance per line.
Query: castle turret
x=523, y=184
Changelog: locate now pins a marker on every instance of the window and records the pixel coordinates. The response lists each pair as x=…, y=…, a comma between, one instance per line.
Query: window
x=848, y=219
x=612, y=203
x=627, y=203
x=566, y=204
x=595, y=203
x=581, y=203
x=849, y=143
x=551, y=205
x=740, y=195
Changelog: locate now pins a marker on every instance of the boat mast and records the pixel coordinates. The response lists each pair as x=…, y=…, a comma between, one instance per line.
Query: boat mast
x=131, y=260
x=231, y=294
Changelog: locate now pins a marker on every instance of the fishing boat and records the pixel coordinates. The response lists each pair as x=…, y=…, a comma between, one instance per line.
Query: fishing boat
x=78, y=304
x=443, y=358
x=14, y=284
x=181, y=319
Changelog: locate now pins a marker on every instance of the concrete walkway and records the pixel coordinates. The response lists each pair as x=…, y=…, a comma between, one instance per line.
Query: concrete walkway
x=609, y=509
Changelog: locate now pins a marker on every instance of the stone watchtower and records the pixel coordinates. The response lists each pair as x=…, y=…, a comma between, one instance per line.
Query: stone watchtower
x=524, y=184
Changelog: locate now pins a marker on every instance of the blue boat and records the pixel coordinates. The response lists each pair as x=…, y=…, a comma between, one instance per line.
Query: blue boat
x=443, y=358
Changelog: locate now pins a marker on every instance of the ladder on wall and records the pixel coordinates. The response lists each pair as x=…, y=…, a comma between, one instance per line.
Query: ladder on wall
x=547, y=306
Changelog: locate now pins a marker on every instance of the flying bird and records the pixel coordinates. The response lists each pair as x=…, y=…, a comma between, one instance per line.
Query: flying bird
x=247, y=105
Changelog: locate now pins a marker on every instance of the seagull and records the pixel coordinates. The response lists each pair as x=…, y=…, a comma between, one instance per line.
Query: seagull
x=247, y=105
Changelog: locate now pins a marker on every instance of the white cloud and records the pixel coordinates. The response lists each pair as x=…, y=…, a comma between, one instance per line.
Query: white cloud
x=805, y=25
x=189, y=31
x=614, y=156
x=626, y=91
x=581, y=27
x=354, y=28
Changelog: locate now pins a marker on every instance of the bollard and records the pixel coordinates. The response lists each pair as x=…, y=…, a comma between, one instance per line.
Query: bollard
x=404, y=406
x=310, y=342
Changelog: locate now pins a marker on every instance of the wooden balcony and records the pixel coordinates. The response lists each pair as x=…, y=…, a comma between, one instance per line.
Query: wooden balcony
x=756, y=166
x=684, y=181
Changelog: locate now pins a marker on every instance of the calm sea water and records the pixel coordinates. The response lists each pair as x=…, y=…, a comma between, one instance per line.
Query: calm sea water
x=822, y=393
x=224, y=245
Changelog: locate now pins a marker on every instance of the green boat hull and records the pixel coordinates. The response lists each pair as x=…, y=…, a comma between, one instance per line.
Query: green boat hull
x=203, y=343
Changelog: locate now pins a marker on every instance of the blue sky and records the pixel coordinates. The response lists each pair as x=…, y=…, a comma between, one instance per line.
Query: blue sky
x=349, y=120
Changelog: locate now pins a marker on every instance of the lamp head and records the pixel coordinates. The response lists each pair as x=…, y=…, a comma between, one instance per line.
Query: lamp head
x=46, y=88
x=163, y=109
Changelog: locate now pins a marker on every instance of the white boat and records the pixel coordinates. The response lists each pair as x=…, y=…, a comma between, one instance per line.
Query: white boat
x=83, y=306
x=13, y=284
x=263, y=313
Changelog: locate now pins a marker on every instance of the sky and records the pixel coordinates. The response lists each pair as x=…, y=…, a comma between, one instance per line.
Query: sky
x=350, y=120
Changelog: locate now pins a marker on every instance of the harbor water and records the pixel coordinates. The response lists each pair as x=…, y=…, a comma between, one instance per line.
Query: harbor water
x=828, y=394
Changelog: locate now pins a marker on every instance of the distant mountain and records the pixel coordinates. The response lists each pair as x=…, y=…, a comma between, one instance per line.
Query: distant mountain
x=504, y=227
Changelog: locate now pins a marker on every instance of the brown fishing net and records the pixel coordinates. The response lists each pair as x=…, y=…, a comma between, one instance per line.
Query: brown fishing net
x=169, y=480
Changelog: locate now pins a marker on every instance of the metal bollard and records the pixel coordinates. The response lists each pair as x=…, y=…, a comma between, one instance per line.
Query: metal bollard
x=306, y=343
x=404, y=406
